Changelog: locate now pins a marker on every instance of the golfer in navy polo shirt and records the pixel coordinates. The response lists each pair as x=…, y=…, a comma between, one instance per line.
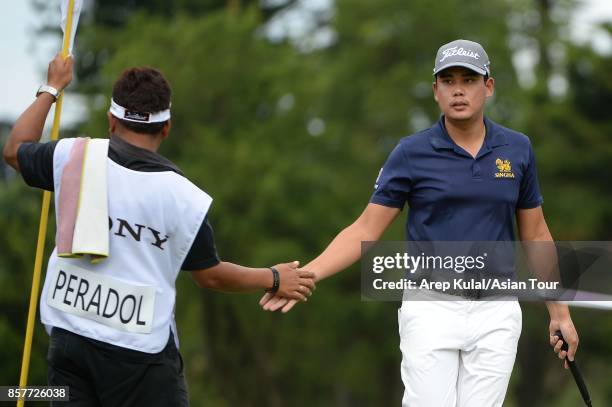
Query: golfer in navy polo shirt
x=465, y=179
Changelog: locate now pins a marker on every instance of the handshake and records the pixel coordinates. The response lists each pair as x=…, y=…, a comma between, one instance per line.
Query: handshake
x=290, y=285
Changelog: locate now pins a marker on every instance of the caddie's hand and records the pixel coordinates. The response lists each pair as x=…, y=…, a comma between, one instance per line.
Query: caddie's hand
x=295, y=284
x=566, y=326
x=59, y=74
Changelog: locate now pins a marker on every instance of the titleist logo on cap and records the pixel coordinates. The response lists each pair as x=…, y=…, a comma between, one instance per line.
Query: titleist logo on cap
x=449, y=52
x=464, y=53
x=138, y=116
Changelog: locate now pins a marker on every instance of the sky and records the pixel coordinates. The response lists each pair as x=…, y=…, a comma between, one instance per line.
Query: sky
x=25, y=55
x=25, y=59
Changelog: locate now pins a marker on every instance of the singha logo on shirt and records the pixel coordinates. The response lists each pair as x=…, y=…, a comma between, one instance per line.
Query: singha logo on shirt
x=505, y=169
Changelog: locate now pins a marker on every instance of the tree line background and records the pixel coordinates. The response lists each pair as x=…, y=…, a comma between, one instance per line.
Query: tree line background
x=287, y=133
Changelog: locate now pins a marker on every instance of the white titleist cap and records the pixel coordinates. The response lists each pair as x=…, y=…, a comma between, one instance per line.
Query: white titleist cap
x=122, y=113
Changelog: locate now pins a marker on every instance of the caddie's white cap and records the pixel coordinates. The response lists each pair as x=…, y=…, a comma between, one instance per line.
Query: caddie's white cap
x=122, y=113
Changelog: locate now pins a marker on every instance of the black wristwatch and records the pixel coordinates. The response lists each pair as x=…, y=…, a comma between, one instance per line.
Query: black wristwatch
x=275, y=280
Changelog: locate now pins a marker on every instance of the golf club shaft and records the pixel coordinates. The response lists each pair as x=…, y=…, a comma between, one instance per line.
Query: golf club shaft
x=575, y=372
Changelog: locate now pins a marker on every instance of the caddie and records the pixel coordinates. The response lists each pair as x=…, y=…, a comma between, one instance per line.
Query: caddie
x=109, y=297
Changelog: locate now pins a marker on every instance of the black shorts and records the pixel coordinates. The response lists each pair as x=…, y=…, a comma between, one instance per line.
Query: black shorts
x=101, y=374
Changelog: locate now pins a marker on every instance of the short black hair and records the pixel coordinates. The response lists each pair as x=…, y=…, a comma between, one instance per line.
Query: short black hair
x=143, y=90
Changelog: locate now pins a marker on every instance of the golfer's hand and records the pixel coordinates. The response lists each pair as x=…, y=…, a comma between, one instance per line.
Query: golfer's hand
x=295, y=284
x=271, y=302
x=59, y=74
x=566, y=326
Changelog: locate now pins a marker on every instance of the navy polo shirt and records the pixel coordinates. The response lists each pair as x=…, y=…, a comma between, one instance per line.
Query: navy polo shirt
x=453, y=196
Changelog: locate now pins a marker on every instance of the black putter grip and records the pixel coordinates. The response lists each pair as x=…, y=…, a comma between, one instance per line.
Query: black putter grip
x=575, y=372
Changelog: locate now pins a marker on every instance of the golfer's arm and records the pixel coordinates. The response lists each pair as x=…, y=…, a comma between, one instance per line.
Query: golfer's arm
x=542, y=257
x=233, y=278
x=345, y=249
x=28, y=128
x=532, y=225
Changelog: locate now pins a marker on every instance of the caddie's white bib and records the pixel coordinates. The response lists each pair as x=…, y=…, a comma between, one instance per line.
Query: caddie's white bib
x=128, y=299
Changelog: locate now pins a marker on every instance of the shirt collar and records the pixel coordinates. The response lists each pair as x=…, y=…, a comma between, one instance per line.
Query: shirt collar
x=440, y=139
x=496, y=136
x=138, y=159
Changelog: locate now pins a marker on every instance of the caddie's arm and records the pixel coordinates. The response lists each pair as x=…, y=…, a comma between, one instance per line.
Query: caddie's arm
x=290, y=282
x=29, y=126
x=343, y=251
x=532, y=227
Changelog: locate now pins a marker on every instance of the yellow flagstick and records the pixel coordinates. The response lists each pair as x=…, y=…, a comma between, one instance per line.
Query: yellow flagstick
x=42, y=229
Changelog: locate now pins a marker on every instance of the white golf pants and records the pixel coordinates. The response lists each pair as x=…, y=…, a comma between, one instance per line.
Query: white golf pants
x=457, y=353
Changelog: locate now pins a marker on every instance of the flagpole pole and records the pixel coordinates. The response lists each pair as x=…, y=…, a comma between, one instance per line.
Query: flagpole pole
x=42, y=229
